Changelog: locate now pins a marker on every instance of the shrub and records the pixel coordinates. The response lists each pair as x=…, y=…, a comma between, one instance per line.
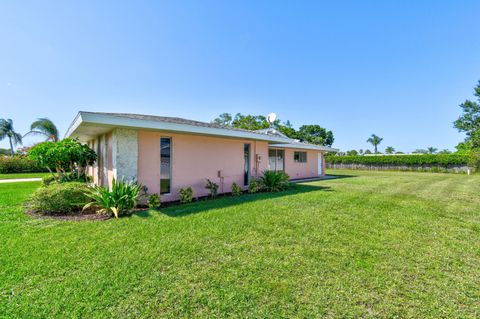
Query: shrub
x=185, y=195
x=119, y=200
x=74, y=177
x=47, y=180
x=154, y=201
x=443, y=160
x=212, y=187
x=236, y=190
x=18, y=164
x=474, y=161
x=253, y=186
x=67, y=178
x=60, y=198
x=65, y=156
x=274, y=181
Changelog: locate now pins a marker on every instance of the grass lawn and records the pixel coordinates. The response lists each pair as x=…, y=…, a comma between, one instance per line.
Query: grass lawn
x=22, y=175
x=372, y=244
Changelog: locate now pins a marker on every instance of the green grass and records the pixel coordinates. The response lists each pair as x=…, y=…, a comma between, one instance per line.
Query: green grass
x=372, y=244
x=23, y=175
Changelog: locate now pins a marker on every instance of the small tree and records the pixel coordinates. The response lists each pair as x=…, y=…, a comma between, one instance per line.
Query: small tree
x=389, y=150
x=469, y=121
x=66, y=156
x=375, y=141
x=432, y=150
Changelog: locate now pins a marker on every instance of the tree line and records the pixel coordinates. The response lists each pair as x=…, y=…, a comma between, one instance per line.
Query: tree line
x=312, y=133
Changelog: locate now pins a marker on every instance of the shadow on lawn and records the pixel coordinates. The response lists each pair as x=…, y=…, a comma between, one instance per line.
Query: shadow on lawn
x=204, y=205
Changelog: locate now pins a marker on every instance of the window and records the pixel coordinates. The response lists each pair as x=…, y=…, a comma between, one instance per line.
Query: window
x=246, y=165
x=275, y=159
x=165, y=165
x=300, y=157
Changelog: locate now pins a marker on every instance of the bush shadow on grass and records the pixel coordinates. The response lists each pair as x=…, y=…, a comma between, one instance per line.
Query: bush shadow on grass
x=204, y=205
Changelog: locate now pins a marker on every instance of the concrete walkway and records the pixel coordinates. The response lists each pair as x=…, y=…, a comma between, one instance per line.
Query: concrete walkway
x=313, y=179
x=17, y=180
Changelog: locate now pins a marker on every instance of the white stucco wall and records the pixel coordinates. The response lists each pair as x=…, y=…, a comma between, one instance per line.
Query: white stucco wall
x=125, y=153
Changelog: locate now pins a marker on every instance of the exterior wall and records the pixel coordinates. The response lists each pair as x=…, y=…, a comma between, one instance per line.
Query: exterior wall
x=302, y=170
x=195, y=158
x=124, y=153
x=102, y=171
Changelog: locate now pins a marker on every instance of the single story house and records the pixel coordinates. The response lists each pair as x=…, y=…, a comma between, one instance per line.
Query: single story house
x=167, y=153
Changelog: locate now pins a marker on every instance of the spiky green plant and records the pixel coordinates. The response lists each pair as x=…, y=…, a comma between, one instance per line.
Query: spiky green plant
x=212, y=187
x=236, y=190
x=274, y=181
x=119, y=200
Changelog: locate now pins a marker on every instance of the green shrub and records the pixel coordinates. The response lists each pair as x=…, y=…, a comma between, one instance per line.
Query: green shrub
x=65, y=156
x=60, y=198
x=253, y=186
x=212, y=187
x=119, y=200
x=474, y=161
x=47, y=180
x=236, y=190
x=442, y=160
x=185, y=195
x=274, y=181
x=19, y=164
x=74, y=177
x=154, y=201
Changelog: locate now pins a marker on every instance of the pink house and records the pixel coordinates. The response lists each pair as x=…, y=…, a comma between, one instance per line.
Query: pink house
x=166, y=153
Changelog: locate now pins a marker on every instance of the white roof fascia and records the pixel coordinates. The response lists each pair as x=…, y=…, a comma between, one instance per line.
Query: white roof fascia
x=305, y=147
x=117, y=121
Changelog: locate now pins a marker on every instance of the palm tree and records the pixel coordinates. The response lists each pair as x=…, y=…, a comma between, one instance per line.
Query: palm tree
x=432, y=150
x=389, y=150
x=6, y=130
x=44, y=126
x=375, y=140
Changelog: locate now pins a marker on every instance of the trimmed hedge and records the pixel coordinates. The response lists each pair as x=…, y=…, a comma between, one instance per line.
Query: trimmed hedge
x=19, y=164
x=443, y=160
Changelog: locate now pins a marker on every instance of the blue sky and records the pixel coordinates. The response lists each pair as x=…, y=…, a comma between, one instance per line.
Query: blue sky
x=398, y=69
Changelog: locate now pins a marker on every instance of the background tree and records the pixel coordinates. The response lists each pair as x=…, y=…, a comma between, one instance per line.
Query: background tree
x=367, y=152
x=432, y=150
x=288, y=130
x=445, y=151
x=360, y=151
x=420, y=151
x=224, y=119
x=352, y=153
x=375, y=141
x=389, y=150
x=315, y=134
x=469, y=121
x=6, y=130
x=44, y=126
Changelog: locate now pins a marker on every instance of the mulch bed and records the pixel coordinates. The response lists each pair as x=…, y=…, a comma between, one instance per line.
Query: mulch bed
x=74, y=216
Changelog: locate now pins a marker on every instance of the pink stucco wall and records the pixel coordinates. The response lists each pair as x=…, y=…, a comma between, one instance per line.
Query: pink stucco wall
x=102, y=171
x=301, y=170
x=196, y=158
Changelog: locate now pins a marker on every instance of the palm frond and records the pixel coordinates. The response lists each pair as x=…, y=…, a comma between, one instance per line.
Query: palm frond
x=45, y=127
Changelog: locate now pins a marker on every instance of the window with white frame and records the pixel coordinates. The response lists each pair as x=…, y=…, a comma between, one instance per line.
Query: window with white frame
x=300, y=157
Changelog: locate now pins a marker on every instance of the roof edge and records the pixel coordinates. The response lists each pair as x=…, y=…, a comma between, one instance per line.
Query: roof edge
x=119, y=121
